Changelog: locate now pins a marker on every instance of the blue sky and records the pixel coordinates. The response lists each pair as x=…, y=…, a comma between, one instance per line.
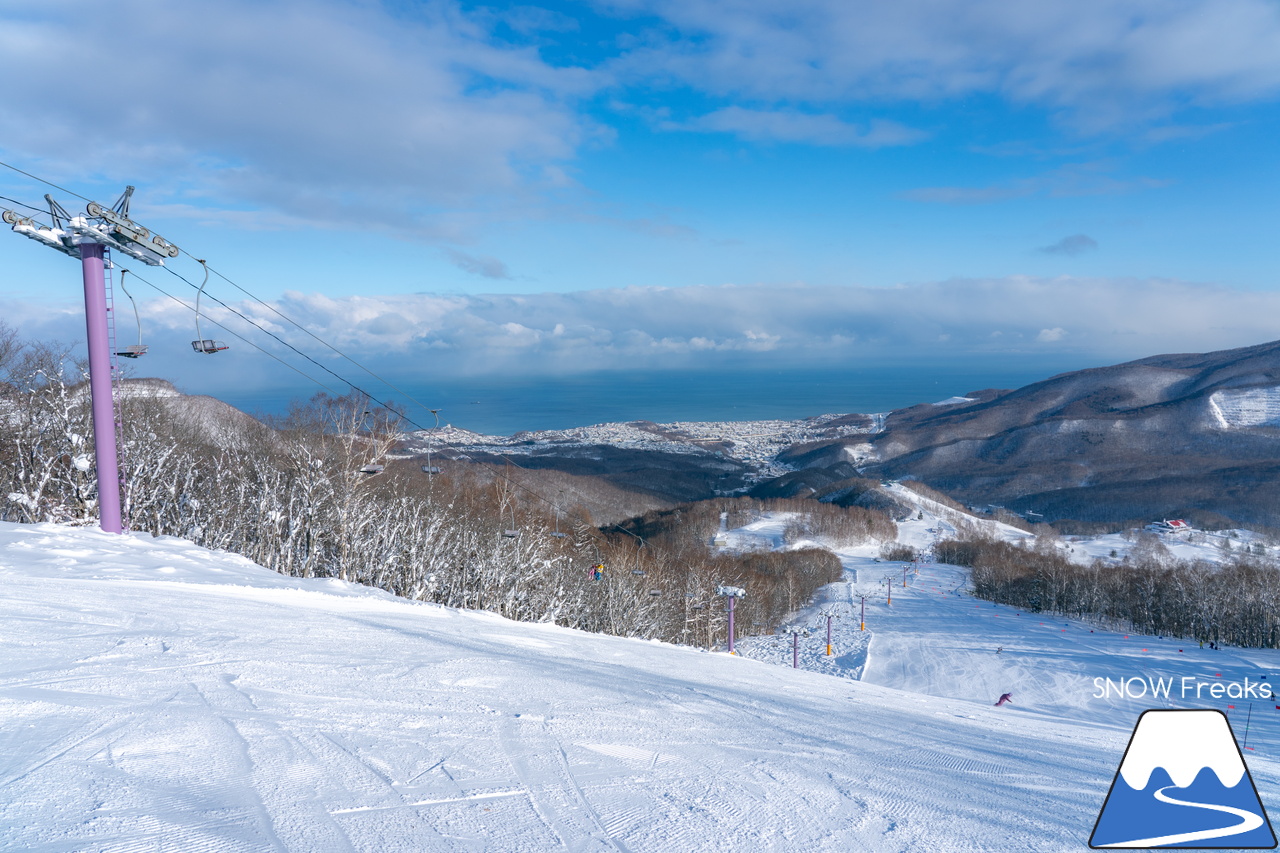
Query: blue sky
x=479, y=187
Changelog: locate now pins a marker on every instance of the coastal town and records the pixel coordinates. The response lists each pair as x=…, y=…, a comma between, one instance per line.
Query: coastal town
x=754, y=443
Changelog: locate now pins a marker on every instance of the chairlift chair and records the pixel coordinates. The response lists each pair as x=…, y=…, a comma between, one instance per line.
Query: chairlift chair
x=372, y=469
x=203, y=344
x=139, y=349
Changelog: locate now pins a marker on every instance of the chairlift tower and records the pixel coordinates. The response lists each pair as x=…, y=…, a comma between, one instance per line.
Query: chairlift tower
x=87, y=237
x=796, y=632
x=733, y=593
x=829, y=613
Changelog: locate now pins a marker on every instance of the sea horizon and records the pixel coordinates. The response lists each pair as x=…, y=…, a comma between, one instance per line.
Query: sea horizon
x=508, y=405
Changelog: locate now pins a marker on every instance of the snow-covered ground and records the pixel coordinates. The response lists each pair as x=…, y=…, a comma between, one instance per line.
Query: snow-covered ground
x=1210, y=546
x=1246, y=407
x=158, y=697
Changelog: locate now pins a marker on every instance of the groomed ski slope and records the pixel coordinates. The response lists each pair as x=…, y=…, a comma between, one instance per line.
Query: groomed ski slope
x=158, y=697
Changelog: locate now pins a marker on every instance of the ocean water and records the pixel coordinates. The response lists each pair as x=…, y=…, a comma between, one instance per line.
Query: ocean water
x=506, y=405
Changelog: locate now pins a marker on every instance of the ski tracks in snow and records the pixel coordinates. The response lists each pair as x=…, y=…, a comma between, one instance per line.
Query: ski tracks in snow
x=554, y=792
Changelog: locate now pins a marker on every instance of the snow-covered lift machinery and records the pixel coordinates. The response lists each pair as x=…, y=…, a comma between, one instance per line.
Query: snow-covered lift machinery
x=87, y=237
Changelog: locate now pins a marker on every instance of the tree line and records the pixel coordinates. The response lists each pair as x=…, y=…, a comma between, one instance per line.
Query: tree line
x=1150, y=593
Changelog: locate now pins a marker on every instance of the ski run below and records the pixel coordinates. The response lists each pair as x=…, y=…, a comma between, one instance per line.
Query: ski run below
x=155, y=696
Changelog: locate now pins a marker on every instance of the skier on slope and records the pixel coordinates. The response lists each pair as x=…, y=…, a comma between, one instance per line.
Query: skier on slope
x=1004, y=697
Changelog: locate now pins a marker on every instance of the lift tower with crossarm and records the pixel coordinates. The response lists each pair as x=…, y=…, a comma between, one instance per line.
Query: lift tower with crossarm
x=88, y=236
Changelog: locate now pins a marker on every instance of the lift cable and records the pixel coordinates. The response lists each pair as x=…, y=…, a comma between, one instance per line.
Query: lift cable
x=319, y=339
x=231, y=332
x=43, y=211
x=43, y=181
x=284, y=343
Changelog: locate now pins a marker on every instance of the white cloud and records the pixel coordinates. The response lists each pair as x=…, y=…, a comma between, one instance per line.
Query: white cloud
x=795, y=126
x=1103, y=61
x=974, y=319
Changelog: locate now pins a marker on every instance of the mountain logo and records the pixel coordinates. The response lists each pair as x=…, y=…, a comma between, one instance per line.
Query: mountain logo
x=1183, y=783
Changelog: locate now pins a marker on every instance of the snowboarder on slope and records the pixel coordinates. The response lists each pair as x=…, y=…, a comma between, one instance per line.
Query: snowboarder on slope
x=1004, y=697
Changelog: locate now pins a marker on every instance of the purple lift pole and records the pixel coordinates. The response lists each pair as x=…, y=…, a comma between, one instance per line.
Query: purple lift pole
x=732, y=600
x=734, y=593
x=795, y=650
x=104, y=422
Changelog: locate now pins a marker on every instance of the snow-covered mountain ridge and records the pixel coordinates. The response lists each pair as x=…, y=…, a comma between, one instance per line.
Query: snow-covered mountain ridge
x=1185, y=435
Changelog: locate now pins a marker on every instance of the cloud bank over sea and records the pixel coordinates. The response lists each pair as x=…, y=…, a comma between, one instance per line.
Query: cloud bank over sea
x=990, y=321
